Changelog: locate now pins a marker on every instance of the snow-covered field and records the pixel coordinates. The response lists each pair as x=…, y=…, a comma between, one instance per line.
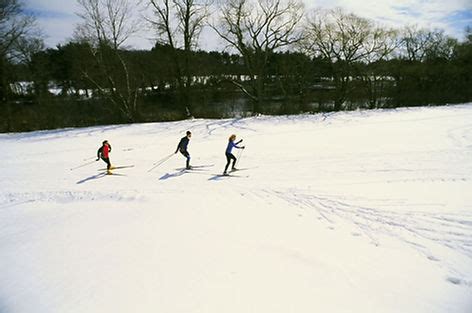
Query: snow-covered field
x=367, y=211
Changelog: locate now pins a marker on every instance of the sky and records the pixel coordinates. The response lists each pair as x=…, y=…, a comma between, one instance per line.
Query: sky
x=58, y=18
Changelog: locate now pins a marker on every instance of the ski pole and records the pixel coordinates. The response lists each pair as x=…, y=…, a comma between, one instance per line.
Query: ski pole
x=164, y=159
x=161, y=161
x=240, y=155
x=82, y=165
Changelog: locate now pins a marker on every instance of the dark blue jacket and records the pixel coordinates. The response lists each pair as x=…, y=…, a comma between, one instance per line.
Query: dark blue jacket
x=182, y=146
x=232, y=145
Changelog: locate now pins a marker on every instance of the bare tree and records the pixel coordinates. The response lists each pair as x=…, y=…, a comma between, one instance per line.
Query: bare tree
x=346, y=40
x=106, y=26
x=178, y=24
x=256, y=29
x=14, y=24
x=419, y=43
x=415, y=43
x=108, y=22
x=27, y=47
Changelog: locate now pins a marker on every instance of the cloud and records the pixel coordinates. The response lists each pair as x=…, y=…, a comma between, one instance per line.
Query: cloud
x=68, y=6
x=48, y=14
x=58, y=18
x=58, y=30
x=450, y=15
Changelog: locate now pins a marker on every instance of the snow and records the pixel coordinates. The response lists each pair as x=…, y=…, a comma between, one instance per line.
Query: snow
x=365, y=211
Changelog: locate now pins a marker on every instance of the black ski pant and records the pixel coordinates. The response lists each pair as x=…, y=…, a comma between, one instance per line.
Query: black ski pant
x=107, y=161
x=187, y=155
x=229, y=157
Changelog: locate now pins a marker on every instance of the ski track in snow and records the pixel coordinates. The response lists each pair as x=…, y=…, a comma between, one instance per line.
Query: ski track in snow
x=325, y=180
x=17, y=198
x=422, y=231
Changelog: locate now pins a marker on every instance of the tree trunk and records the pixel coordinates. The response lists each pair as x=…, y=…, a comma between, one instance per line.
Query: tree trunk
x=341, y=92
x=3, y=81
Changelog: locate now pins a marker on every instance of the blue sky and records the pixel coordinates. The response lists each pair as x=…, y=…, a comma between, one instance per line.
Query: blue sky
x=57, y=18
x=460, y=20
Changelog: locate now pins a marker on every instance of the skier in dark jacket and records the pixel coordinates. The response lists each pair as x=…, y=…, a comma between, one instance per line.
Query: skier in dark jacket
x=229, y=155
x=104, y=154
x=182, y=147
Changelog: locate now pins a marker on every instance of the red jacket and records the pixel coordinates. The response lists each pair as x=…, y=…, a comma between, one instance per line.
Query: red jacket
x=104, y=151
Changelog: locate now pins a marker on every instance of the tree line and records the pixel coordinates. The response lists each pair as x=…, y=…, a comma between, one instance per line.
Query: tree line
x=278, y=59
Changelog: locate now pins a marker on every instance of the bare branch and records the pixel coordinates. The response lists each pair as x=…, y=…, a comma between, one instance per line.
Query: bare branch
x=108, y=22
x=14, y=24
x=256, y=29
x=106, y=26
x=338, y=36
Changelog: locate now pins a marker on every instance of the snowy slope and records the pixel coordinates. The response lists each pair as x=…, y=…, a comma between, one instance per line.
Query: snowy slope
x=367, y=211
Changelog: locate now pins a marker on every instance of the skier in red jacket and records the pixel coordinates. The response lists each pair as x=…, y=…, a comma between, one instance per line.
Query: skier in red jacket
x=104, y=154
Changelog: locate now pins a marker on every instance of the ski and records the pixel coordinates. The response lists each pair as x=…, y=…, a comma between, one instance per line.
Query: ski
x=201, y=172
x=218, y=176
x=196, y=167
x=116, y=174
x=112, y=174
x=243, y=169
x=192, y=169
x=202, y=166
x=116, y=167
